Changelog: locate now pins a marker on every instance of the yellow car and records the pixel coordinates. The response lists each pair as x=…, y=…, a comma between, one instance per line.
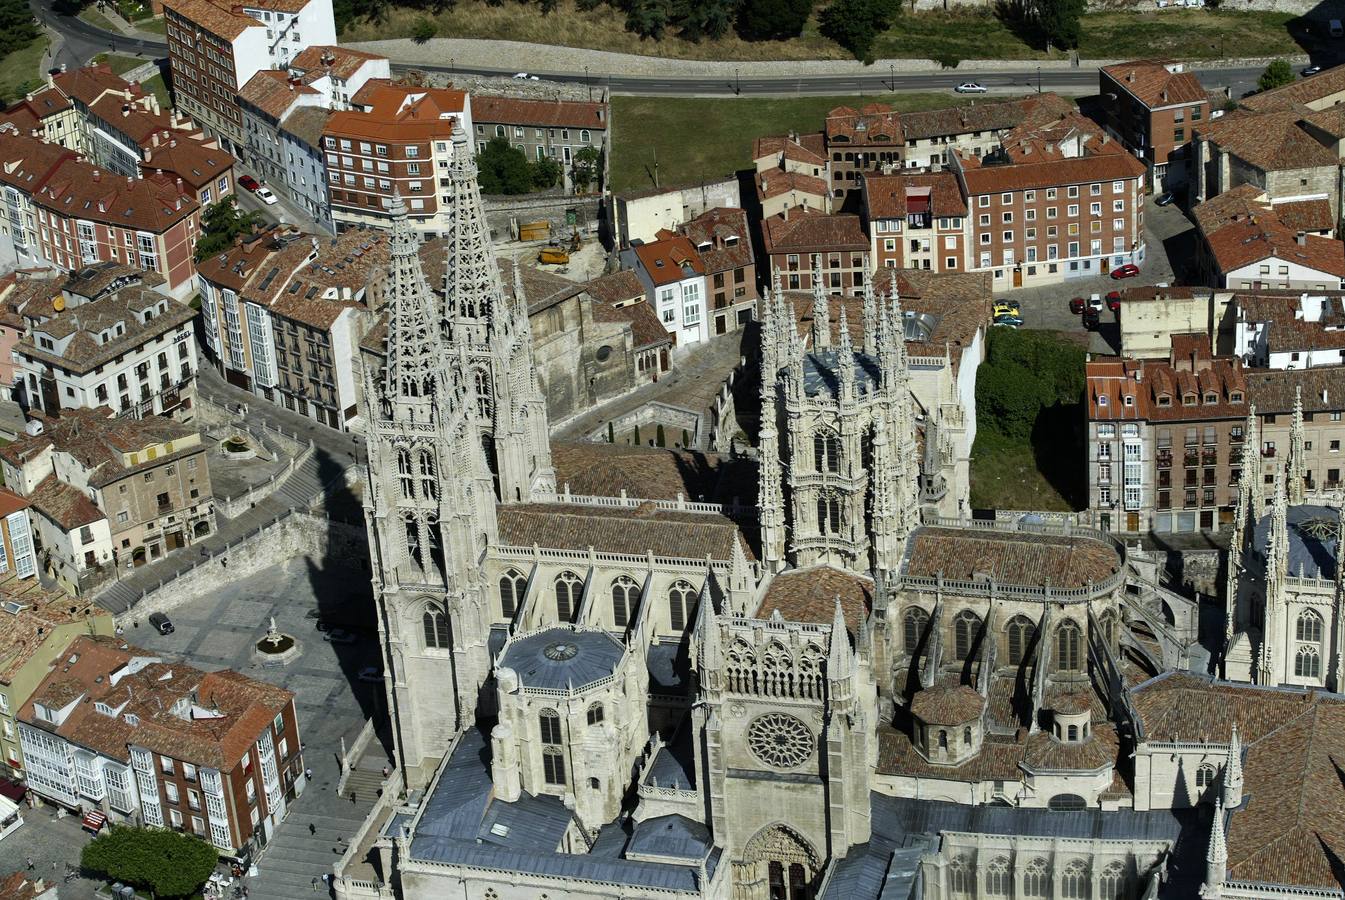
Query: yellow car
x=1007, y=308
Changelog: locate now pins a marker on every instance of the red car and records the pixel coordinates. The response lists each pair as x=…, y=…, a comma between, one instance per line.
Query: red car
x=1129, y=270
x=1114, y=301
x=1076, y=305
x=248, y=182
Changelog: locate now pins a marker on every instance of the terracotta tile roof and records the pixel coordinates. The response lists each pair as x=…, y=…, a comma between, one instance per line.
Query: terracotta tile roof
x=273, y=91
x=618, y=287
x=1240, y=202
x=307, y=123
x=1104, y=162
x=225, y=19
x=726, y=232
x=341, y=62
x=98, y=440
x=88, y=83
x=1099, y=751
x=789, y=148
x=1306, y=215
x=42, y=610
x=805, y=231
x=316, y=290
x=995, y=115
x=1250, y=239
x=496, y=110
x=1330, y=120
x=1287, y=329
x=874, y=124
x=1154, y=83
x=140, y=118
x=646, y=329
x=197, y=163
x=998, y=760
x=64, y=504
x=1028, y=142
x=92, y=282
x=235, y=267
x=809, y=595
x=154, y=203
x=774, y=182
x=392, y=111
x=966, y=554
x=221, y=714
x=1271, y=141
x=16, y=886
x=605, y=470
x=631, y=531
x=669, y=260
x=890, y=196
x=27, y=163
x=947, y=704
x=1303, y=92
x=28, y=113
x=1273, y=390
x=1195, y=374
x=93, y=324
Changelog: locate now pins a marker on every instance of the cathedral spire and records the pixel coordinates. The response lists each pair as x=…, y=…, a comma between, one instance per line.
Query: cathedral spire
x=870, y=315
x=821, y=310
x=471, y=275
x=413, y=342
x=707, y=633
x=1251, y=458
x=1297, y=470
x=1216, y=857
x=1232, y=798
x=845, y=360
x=840, y=657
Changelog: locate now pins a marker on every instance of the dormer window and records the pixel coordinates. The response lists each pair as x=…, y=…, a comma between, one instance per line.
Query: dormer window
x=1129, y=399
x=131, y=719
x=1102, y=400
x=1164, y=400
x=1211, y=398
x=103, y=708
x=1188, y=399
x=1235, y=397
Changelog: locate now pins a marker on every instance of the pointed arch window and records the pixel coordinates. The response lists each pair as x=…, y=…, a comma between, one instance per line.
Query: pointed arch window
x=595, y=714
x=1067, y=641
x=512, y=586
x=679, y=602
x=404, y=474
x=484, y=397
x=1037, y=879
x=826, y=451
x=965, y=628
x=998, y=878
x=1307, y=663
x=829, y=513
x=625, y=593
x=569, y=588
x=961, y=877
x=1205, y=776
x=548, y=721
x=429, y=482
x=1075, y=881
x=434, y=621
x=1309, y=626
x=913, y=627
x=1020, y=634
x=1112, y=883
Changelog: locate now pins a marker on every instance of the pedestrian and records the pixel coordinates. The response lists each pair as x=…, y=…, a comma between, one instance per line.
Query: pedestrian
x=385, y=771
x=245, y=892
x=352, y=798
x=312, y=829
x=30, y=863
x=315, y=884
x=308, y=773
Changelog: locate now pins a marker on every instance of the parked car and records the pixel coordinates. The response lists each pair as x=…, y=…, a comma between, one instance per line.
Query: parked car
x=248, y=182
x=1164, y=199
x=371, y=674
x=1077, y=304
x=1095, y=303
x=1090, y=319
x=1008, y=320
x=1129, y=270
x=264, y=195
x=1007, y=308
x=1114, y=301
x=1310, y=71
x=339, y=636
x=970, y=87
x=161, y=623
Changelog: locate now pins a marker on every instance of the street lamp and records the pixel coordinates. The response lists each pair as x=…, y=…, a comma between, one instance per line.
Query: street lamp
x=1038, y=79
x=892, y=78
x=737, y=85
x=589, y=83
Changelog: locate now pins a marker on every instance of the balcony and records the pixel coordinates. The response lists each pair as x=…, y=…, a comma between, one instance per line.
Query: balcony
x=1164, y=502
x=1209, y=458
x=1191, y=457
x=1164, y=460
x=1235, y=456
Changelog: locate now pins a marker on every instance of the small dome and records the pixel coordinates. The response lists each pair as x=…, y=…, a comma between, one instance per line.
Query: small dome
x=947, y=705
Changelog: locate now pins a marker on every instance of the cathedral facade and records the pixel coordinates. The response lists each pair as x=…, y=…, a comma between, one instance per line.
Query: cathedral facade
x=839, y=691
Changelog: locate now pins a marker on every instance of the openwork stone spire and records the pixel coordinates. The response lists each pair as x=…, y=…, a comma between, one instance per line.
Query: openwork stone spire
x=414, y=338
x=1297, y=470
x=474, y=295
x=821, y=310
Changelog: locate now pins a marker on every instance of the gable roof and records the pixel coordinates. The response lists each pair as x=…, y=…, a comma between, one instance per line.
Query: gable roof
x=1157, y=82
x=807, y=230
x=493, y=109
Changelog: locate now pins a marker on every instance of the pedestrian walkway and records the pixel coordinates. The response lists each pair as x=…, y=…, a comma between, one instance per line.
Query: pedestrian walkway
x=318, y=828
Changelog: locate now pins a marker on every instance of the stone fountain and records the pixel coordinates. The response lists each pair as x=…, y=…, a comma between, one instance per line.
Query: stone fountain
x=277, y=648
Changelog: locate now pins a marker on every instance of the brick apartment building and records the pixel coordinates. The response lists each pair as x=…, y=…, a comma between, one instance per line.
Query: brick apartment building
x=916, y=221
x=557, y=129
x=800, y=242
x=859, y=141
x=117, y=731
x=1154, y=107
x=215, y=46
x=397, y=137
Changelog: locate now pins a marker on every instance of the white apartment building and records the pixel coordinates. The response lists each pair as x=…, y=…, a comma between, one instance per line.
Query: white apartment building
x=673, y=274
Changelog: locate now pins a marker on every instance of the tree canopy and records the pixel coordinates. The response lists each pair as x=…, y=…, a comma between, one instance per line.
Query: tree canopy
x=503, y=168
x=856, y=24
x=221, y=223
x=771, y=20
x=1025, y=373
x=1277, y=74
x=1059, y=21
x=167, y=863
x=18, y=29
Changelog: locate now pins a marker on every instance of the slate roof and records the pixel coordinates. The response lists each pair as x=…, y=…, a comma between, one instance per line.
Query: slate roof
x=632, y=531
x=1010, y=558
x=1310, y=550
x=809, y=595
x=671, y=837
x=562, y=658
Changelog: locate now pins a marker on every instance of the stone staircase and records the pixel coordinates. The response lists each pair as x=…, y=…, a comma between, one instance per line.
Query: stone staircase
x=296, y=855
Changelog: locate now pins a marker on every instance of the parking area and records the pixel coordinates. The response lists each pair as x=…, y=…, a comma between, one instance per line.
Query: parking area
x=1170, y=258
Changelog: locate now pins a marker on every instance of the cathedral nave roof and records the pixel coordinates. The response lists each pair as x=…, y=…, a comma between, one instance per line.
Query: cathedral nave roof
x=634, y=531
x=605, y=470
x=1010, y=558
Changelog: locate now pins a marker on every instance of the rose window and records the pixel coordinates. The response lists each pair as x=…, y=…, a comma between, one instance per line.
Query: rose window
x=780, y=741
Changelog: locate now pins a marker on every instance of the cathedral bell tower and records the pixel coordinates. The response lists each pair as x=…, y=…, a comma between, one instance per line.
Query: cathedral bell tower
x=430, y=510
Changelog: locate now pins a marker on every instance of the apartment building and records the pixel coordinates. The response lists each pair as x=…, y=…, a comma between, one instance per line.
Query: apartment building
x=1166, y=439
x=36, y=627
x=130, y=348
x=341, y=71
x=265, y=101
x=117, y=731
x=47, y=114
x=916, y=221
x=859, y=141
x=724, y=244
x=216, y=46
x=557, y=128
x=1314, y=396
x=1277, y=152
x=111, y=490
x=1249, y=242
x=674, y=277
x=1053, y=204
x=1154, y=107
x=305, y=172
x=26, y=163
x=641, y=215
x=396, y=138
x=933, y=136
x=1152, y=315
x=283, y=314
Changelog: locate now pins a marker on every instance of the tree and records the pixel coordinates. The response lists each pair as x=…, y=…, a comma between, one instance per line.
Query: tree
x=166, y=863
x=17, y=27
x=425, y=29
x=587, y=165
x=611, y=434
x=503, y=168
x=1059, y=21
x=546, y=172
x=637, y=435
x=1277, y=74
x=856, y=24
x=772, y=20
x=647, y=18
x=220, y=224
x=704, y=18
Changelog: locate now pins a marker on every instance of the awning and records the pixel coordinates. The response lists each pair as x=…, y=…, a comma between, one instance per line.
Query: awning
x=94, y=820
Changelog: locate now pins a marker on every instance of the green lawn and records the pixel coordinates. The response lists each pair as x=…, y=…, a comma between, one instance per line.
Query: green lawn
x=154, y=25
x=156, y=86
x=1009, y=475
x=720, y=143
x=97, y=19
x=120, y=63
x=20, y=67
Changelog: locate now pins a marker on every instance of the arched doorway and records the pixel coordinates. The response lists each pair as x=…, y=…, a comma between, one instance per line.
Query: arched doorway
x=778, y=864
x=138, y=556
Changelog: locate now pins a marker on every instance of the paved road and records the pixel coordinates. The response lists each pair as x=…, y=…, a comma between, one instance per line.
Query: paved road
x=83, y=40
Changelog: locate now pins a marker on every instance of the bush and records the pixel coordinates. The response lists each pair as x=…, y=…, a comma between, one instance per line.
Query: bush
x=1277, y=74
x=167, y=863
x=424, y=30
x=546, y=173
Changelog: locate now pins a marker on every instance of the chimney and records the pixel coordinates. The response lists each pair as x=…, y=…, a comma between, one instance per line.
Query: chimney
x=1302, y=239
x=154, y=140
x=125, y=110
x=97, y=175
x=149, y=154
x=602, y=114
